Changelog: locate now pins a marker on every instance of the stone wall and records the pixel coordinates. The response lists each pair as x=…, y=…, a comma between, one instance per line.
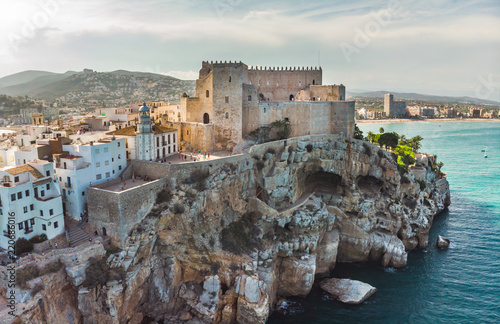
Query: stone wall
x=118, y=212
x=314, y=117
x=277, y=84
x=323, y=93
x=194, y=136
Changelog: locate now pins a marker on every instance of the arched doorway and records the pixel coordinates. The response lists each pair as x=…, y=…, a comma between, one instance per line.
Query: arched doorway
x=206, y=118
x=291, y=97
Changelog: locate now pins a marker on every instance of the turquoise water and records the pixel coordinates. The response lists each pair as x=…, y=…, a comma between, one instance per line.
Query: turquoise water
x=458, y=285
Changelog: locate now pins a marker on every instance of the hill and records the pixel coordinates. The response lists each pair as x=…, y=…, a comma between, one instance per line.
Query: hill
x=90, y=88
x=423, y=97
x=28, y=87
x=22, y=77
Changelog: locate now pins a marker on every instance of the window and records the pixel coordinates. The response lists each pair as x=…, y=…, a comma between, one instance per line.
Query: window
x=119, y=144
x=47, y=173
x=267, y=82
x=51, y=212
x=168, y=137
x=48, y=186
x=277, y=84
x=56, y=224
x=83, y=193
x=32, y=207
x=113, y=171
x=98, y=177
x=169, y=150
x=13, y=197
x=96, y=151
x=42, y=193
x=19, y=195
x=187, y=132
x=60, y=179
x=25, y=209
x=105, y=149
x=300, y=83
x=229, y=78
x=112, y=159
x=174, y=148
x=27, y=193
x=44, y=227
x=249, y=98
x=21, y=226
x=264, y=110
x=208, y=93
x=108, y=174
x=16, y=179
x=173, y=138
x=106, y=162
x=227, y=99
x=32, y=221
x=41, y=212
x=227, y=115
x=97, y=164
x=36, y=192
x=119, y=167
x=1, y=212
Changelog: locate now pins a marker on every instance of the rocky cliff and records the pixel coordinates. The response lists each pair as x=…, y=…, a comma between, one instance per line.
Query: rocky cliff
x=223, y=249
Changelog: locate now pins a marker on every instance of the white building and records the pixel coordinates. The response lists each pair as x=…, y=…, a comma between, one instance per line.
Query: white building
x=30, y=201
x=85, y=165
x=146, y=141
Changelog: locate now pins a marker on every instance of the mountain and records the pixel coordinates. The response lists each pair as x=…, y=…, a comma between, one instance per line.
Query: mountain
x=25, y=88
x=22, y=77
x=423, y=97
x=90, y=88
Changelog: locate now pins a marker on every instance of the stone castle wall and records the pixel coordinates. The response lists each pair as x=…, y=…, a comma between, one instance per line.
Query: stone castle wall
x=118, y=212
x=278, y=84
x=306, y=118
x=194, y=136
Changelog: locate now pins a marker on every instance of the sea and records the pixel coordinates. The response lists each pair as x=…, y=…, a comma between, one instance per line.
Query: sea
x=457, y=285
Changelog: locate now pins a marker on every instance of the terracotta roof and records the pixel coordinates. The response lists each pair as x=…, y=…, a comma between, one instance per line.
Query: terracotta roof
x=25, y=168
x=130, y=131
x=42, y=181
x=162, y=129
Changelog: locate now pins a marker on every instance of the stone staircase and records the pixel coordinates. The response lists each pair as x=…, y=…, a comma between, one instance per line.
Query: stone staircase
x=77, y=235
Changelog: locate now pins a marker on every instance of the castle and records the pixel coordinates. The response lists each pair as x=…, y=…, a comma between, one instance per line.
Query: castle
x=231, y=100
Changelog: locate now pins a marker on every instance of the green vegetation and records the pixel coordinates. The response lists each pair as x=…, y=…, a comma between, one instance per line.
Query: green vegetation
x=31, y=272
x=388, y=140
x=240, y=236
x=406, y=157
x=358, y=134
x=198, y=177
x=38, y=239
x=22, y=245
x=98, y=273
x=277, y=130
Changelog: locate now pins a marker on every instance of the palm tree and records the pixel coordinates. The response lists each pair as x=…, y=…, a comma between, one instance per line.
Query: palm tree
x=381, y=130
x=370, y=136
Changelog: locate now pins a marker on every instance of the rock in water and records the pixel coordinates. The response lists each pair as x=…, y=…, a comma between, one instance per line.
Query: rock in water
x=348, y=291
x=442, y=242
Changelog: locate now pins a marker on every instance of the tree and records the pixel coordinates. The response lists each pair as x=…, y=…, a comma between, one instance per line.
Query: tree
x=388, y=139
x=381, y=130
x=358, y=134
x=415, y=143
x=370, y=136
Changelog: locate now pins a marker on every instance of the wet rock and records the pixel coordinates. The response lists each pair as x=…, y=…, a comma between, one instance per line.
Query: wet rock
x=348, y=291
x=442, y=242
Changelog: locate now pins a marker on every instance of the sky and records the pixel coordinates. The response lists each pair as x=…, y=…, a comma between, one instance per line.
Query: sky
x=439, y=47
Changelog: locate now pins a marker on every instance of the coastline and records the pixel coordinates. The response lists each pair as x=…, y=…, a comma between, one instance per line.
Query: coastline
x=434, y=120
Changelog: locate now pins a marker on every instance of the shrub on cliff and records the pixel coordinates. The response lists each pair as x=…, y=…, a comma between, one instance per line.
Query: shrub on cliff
x=198, y=178
x=163, y=196
x=241, y=237
x=178, y=208
x=96, y=273
x=38, y=239
x=22, y=245
x=51, y=268
x=38, y=287
x=309, y=148
x=26, y=274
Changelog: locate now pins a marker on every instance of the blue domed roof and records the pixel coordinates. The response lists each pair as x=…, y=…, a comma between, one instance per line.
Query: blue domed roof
x=144, y=108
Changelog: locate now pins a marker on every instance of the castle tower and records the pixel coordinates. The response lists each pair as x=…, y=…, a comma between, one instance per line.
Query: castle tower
x=144, y=135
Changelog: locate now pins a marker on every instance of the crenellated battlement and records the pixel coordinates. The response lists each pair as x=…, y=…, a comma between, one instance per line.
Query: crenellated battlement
x=284, y=69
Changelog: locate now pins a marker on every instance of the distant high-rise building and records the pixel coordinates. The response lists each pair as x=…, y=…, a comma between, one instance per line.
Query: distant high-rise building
x=394, y=108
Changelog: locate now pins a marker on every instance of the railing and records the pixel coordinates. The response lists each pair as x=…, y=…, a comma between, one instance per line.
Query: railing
x=6, y=233
x=7, y=183
x=67, y=184
x=28, y=230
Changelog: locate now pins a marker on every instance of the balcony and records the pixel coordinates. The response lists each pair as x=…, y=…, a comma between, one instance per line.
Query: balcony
x=7, y=183
x=28, y=230
x=67, y=184
x=6, y=234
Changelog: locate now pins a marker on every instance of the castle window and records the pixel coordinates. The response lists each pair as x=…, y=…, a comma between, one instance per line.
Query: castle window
x=267, y=82
x=227, y=99
x=249, y=98
x=292, y=97
x=300, y=83
x=227, y=115
x=187, y=132
x=314, y=82
x=206, y=119
x=229, y=78
x=277, y=84
x=208, y=93
x=259, y=82
x=264, y=110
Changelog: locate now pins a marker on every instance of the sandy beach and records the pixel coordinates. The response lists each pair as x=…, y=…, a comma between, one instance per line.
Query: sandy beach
x=433, y=120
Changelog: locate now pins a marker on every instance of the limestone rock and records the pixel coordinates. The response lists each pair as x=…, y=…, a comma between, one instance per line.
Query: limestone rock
x=442, y=242
x=348, y=291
